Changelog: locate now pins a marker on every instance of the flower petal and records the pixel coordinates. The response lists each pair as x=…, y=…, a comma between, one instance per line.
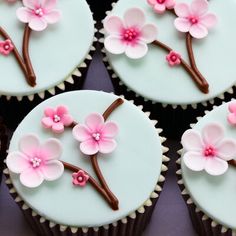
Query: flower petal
x=231, y=118
x=136, y=51
x=81, y=133
x=198, y=31
x=30, y=3
x=110, y=129
x=199, y=7
x=232, y=106
x=216, y=166
x=52, y=149
x=61, y=110
x=152, y=2
x=209, y=20
x=89, y=147
x=58, y=128
x=29, y=144
x=114, y=44
x=52, y=17
x=47, y=122
x=17, y=162
x=194, y=161
x=182, y=10
x=24, y=14
x=149, y=33
x=49, y=4
x=107, y=145
x=67, y=119
x=226, y=149
x=170, y=4
x=52, y=170
x=31, y=178
x=94, y=121
x=134, y=17
x=113, y=25
x=38, y=24
x=159, y=8
x=192, y=141
x=182, y=24
x=212, y=133
x=50, y=112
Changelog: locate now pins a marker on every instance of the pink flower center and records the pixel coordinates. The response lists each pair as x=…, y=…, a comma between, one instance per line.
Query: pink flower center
x=193, y=20
x=35, y=162
x=80, y=179
x=173, y=58
x=160, y=1
x=96, y=136
x=38, y=11
x=130, y=34
x=209, y=151
x=6, y=46
x=56, y=118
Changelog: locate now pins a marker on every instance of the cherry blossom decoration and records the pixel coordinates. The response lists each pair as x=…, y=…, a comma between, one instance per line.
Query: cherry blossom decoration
x=160, y=6
x=96, y=135
x=56, y=119
x=173, y=58
x=194, y=18
x=36, y=162
x=80, y=178
x=6, y=47
x=129, y=36
x=232, y=116
x=39, y=13
x=209, y=150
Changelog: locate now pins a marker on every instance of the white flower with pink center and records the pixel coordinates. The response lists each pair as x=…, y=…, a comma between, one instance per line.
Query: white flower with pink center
x=36, y=162
x=129, y=36
x=194, y=18
x=39, y=13
x=96, y=135
x=208, y=151
x=160, y=6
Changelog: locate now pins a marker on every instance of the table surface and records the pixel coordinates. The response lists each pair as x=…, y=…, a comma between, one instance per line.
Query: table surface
x=170, y=217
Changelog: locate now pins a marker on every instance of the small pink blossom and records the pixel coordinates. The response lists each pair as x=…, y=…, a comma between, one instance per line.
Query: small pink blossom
x=232, y=116
x=96, y=135
x=194, y=18
x=160, y=6
x=80, y=178
x=209, y=151
x=6, y=47
x=56, y=119
x=36, y=162
x=129, y=36
x=173, y=58
x=39, y=13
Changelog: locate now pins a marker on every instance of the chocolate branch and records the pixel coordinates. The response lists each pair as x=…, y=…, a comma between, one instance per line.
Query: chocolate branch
x=232, y=163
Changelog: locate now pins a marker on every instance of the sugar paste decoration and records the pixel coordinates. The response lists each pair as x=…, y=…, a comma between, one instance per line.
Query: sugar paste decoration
x=80, y=178
x=131, y=35
x=232, y=115
x=57, y=119
x=208, y=150
x=36, y=162
x=36, y=15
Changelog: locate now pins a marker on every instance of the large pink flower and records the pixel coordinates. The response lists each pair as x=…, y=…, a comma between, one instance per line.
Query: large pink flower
x=194, y=18
x=129, y=36
x=96, y=135
x=38, y=13
x=160, y=6
x=36, y=162
x=209, y=152
x=56, y=119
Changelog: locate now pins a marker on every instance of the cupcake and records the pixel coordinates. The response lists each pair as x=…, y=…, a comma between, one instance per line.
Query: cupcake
x=207, y=170
x=85, y=157
x=165, y=55
x=45, y=48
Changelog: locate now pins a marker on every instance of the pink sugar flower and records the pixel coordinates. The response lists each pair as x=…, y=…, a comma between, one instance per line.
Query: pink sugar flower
x=36, y=162
x=39, y=13
x=129, y=36
x=56, y=119
x=80, y=178
x=194, y=18
x=160, y=6
x=96, y=135
x=232, y=116
x=209, y=151
x=6, y=47
x=173, y=58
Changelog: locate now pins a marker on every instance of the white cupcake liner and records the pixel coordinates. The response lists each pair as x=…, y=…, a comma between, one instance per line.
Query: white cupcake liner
x=131, y=225
x=204, y=225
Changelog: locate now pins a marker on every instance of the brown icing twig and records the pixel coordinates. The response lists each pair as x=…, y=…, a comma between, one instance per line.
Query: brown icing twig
x=202, y=86
x=232, y=163
x=31, y=79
